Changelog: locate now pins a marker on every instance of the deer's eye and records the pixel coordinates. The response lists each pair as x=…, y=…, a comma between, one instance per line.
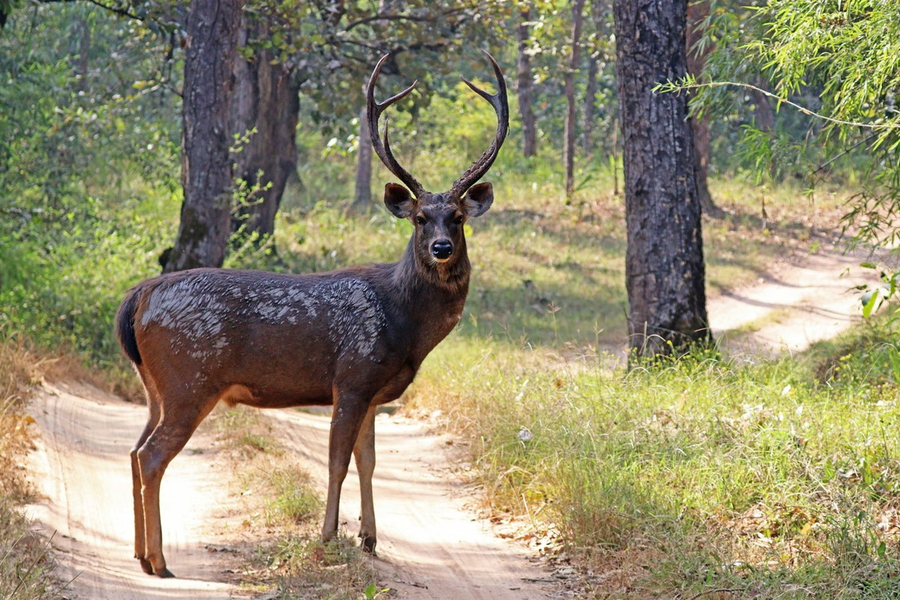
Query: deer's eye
x=458, y=219
x=420, y=220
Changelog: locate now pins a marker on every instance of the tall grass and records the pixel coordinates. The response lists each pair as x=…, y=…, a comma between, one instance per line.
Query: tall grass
x=24, y=564
x=774, y=479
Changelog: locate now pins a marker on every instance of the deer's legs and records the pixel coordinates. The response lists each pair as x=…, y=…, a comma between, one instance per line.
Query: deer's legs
x=364, y=451
x=349, y=413
x=180, y=417
x=139, y=540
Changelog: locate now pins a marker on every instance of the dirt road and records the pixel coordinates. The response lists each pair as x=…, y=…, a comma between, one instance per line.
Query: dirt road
x=430, y=546
x=794, y=306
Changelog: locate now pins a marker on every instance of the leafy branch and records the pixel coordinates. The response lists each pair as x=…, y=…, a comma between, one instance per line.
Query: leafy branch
x=690, y=83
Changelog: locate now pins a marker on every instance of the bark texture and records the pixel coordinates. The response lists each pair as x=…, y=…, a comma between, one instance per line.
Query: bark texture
x=664, y=267
x=525, y=87
x=590, y=93
x=363, y=195
x=212, y=32
x=266, y=98
x=571, y=113
x=697, y=12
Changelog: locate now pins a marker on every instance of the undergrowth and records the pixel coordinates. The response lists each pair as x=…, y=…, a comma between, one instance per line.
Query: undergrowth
x=24, y=562
x=775, y=479
x=284, y=516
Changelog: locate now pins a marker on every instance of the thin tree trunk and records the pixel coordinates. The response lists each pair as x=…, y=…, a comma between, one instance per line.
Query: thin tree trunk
x=696, y=63
x=571, y=114
x=525, y=87
x=363, y=195
x=212, y=32
x=664, y=268
x=587, y=136
x=764, y=117
x=266, y=99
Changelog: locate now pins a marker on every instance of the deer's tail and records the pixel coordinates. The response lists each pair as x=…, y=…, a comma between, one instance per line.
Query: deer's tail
x=125, y=326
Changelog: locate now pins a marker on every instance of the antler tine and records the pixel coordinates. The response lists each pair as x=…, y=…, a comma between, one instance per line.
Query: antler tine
x=501, y=107
x=383, y=150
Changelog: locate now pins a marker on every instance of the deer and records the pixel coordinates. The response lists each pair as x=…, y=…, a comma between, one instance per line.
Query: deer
x=352, y=338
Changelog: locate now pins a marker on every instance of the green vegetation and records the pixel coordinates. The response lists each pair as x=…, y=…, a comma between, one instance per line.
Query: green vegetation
x=703, y=477
x=285, y=513
x=773, y=479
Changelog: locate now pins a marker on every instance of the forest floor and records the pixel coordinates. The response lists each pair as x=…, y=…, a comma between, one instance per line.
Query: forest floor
x=431, y=543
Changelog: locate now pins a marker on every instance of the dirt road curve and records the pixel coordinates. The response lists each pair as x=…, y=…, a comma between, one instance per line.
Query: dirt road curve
x=82, y=468
x=429, y=545
x=793, y=307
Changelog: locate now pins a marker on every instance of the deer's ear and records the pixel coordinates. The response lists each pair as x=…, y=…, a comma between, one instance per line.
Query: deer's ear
x=478, y=199
x=399, y=201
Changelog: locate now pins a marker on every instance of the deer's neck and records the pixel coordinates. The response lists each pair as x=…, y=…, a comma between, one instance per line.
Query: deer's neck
x=434, y=294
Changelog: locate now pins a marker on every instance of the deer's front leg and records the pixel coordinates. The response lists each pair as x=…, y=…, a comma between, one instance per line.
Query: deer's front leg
x=349, y=412
x=364, y=451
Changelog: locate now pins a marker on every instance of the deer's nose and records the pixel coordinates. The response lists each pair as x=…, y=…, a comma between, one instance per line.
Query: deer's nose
x=442, y=249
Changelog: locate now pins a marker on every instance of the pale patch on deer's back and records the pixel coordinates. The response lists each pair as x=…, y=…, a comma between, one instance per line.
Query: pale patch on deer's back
x=199, y=307
x=357, y=316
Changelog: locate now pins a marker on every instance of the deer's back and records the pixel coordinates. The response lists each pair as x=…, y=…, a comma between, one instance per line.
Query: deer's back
x=287, y=339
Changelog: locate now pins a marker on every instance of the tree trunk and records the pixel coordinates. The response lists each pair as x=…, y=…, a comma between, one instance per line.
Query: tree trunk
x=577, y=10
x=212, y=31
x=696, y=63
x=363, y=196
x=765, y=121
x=266, y=99
x=664, y=266
x=587, y=141
x=525, y=86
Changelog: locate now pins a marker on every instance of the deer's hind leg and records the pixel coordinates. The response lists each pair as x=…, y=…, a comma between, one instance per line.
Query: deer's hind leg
x=181, y=413
x=153, y=406
x=364, y=451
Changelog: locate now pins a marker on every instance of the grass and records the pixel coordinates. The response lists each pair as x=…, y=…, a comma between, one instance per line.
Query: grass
x=24, y=564
x=694, y=475
x=286, y=558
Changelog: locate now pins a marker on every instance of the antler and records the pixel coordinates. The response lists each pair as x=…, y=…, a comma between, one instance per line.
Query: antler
x=373, y=112
x=501, y=107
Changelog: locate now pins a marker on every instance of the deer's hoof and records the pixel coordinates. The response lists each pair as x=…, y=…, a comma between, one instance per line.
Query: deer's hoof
x=146, y=566
x=368, y=543
x=164, y=573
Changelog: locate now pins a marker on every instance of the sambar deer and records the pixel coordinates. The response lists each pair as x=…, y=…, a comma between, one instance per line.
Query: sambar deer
x=352, y=338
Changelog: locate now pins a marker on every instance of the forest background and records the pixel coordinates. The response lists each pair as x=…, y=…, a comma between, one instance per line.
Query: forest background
x=794, y=124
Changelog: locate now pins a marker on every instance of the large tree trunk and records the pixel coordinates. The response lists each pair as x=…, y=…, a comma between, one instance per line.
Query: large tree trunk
x=664, y=266
x=696, y=63
x=569, y=139
x=525, y=86
x=363, y=196
x=212, y=31
x=265, y=99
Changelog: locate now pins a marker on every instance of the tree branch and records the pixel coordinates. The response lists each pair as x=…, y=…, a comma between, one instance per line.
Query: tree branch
x=122, y=12
x=691, y=84
x=395, y=17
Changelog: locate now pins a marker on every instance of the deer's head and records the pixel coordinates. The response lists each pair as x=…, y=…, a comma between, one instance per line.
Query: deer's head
x=438, y=218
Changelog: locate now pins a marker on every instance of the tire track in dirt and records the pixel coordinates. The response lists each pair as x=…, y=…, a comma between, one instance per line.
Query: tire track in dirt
x=429, y=545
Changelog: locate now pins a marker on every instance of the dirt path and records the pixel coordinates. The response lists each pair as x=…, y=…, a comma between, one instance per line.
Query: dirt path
x=798, y=304
x=81, y=469
x=430, y=546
